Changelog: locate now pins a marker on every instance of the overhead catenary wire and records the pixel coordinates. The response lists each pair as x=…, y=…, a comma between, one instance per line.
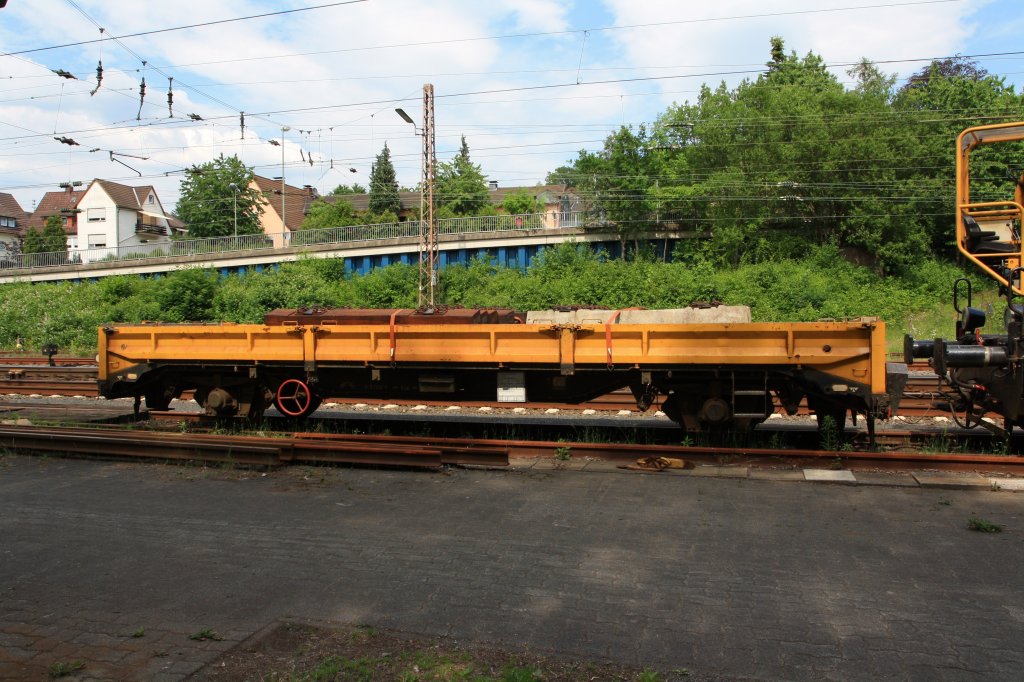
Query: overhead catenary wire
x=853, y=135
x=389, y=101
x=159, y=70
x=536, y=34
x=488, y=152
x=201, y=25
x=787, y=170
x=606, y=81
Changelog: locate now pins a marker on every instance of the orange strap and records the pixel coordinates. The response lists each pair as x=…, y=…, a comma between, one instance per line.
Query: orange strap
x=608, y=333
x=391, y=331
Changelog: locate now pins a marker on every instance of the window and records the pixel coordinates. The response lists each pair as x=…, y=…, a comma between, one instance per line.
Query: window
x=96, y=215
x=7, y=222
x=97, y=241
x=151, y=199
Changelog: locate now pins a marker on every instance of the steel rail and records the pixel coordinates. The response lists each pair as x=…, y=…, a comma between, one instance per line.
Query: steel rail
x=49, y=387
x=1009, y=464
x=624, y=452
x=251, y=450
x=112, y=444
x=433, y=452
x=22, y=359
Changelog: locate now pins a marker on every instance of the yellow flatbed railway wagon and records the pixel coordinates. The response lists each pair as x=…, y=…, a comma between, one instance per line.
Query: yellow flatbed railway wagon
x=703, y=373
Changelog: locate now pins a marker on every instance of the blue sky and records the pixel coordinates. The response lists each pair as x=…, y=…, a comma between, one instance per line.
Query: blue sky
x=529, y=82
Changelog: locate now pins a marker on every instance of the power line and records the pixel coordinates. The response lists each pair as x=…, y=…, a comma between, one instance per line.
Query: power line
x=145, y=62
x=538, y=34
x=611, y=81
x=199, y=25
x=501, y=90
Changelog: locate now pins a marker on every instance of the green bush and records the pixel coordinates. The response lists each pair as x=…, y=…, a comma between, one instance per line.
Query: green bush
x=187, y=295
x=820, y=285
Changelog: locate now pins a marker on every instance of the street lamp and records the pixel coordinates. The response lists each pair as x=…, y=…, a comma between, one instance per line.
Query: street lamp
x=407, y=119
x=234, y=203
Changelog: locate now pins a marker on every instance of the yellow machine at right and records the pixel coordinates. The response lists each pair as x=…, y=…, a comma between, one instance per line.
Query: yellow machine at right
x=984, y=371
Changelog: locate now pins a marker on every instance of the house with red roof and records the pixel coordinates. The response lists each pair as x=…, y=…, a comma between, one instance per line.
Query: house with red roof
x=13, y=219
x=293, y=204
x=57, y=203
x=110, y=215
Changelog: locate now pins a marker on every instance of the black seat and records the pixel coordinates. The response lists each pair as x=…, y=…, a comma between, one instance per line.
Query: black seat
x=983, y=241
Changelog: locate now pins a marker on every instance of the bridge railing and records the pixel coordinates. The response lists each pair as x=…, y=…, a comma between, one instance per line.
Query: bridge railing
x=247, y=243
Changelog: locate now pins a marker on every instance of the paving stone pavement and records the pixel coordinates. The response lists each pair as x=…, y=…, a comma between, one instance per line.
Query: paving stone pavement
x=766, y=579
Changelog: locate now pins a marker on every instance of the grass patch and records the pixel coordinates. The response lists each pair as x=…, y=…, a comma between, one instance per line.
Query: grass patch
x=205, y=634
x=338, y=667
x=943, y=444
x=983, y=526
x=65, y=668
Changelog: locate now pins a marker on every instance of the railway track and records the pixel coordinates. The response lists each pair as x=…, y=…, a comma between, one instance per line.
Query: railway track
x=433, y=452
x=42, y=379
x=21, y=360
x=38, y=378
x=244, y=450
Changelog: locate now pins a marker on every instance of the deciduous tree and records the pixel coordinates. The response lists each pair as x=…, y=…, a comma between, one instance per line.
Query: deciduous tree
x=520, y=202
x=619, y=184
x=323, y=214
x=207, y=199
x=461, y=187
x=354, y=188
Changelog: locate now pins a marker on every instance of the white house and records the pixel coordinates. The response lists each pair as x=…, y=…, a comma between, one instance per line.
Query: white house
x=114, y=217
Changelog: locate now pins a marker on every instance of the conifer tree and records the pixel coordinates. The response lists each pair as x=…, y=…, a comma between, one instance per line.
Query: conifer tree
x=54, y=239
x=50, y=239
x=462, y=186
x=384, y=185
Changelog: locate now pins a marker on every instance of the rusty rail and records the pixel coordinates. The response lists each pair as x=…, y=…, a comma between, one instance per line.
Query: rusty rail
x=99, y=442
x=22, y=359
x=433, y=452
x=625, y=452
x=249, y=450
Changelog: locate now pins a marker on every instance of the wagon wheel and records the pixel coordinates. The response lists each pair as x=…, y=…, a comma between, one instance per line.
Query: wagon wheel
x=294, y=398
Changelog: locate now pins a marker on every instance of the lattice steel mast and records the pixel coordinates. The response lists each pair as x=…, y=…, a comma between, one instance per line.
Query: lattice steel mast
x=428, y=232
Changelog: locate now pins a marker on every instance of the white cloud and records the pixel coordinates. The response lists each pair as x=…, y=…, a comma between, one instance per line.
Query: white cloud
x=734, y=35
x=536, y=15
